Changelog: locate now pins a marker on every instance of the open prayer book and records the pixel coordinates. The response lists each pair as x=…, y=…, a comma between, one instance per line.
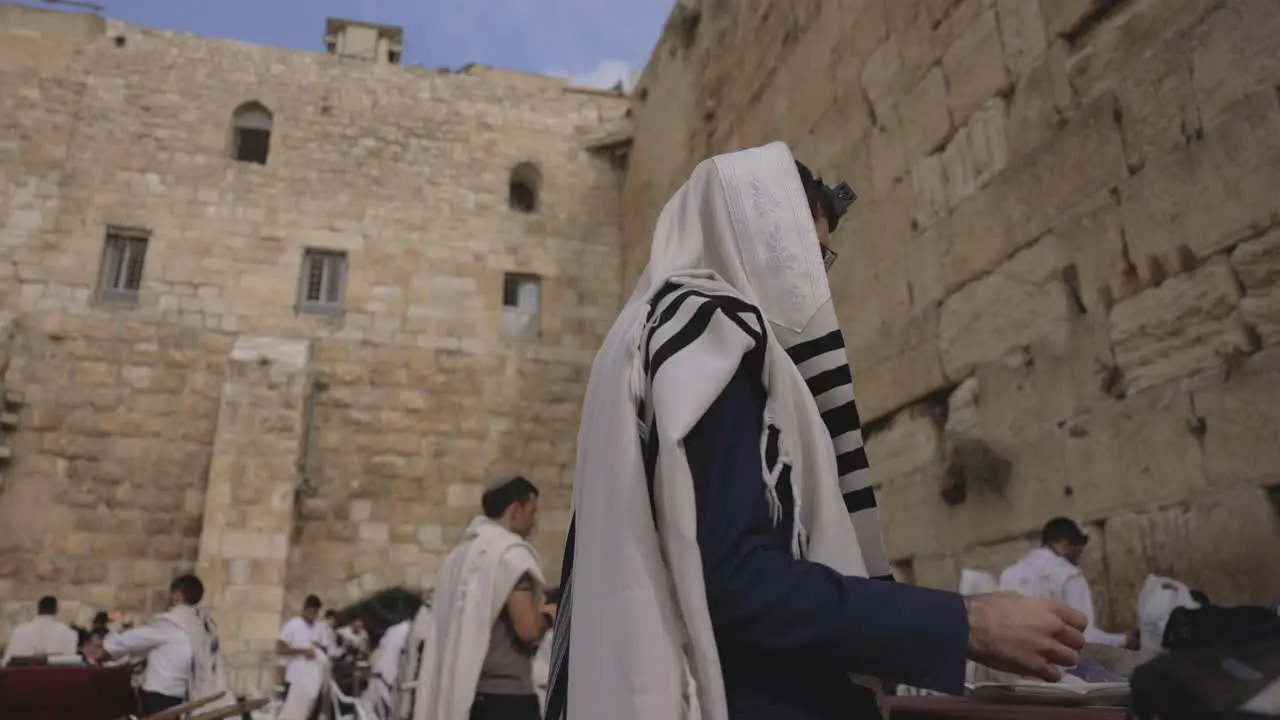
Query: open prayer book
x=1071, y=691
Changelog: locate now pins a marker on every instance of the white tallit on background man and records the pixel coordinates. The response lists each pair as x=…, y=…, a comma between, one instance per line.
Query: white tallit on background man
x=301, y=646
x=43, y=636
x=181, y=650
x=488, y=616
x=724, y=529
x=411, y=657
x=1053, y=571
x=395, y=667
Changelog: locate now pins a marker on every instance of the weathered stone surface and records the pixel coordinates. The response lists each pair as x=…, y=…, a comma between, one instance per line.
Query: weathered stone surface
x=1146, y=450
x=1022, y=33
x=975, y=66
x=1159, y=105
x=1093, y=237
x=1062, y=16
x=1123, y=37
x=1233, y=55
x=910, y=444
x=977, y=152
x=1227, y=546
x=1257, y=264
x=1241, y=418
x=1186, y=325
x=1208, y=195
x=926, y=121
x=1041, y=103
x=929, y=183
x=1021, y=204
x=1021, y=301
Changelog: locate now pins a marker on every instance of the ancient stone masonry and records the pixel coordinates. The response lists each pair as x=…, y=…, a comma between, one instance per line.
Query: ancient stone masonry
x=1061, y=285
x=281, y=315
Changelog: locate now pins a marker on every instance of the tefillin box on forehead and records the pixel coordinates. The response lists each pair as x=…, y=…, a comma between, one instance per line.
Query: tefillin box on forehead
x=838, y=200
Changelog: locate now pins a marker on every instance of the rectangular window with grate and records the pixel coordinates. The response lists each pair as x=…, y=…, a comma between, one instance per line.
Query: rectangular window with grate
x=521, y=306
x=324, y=282
x=123, y=256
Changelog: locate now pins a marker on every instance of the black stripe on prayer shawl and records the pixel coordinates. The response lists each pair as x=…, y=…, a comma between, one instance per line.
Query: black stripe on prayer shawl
x=668, y=302
x=809, y=349
x=841, y=420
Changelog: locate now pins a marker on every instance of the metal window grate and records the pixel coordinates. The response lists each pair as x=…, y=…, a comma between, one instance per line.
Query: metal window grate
x=124, y=257
x=324, y=281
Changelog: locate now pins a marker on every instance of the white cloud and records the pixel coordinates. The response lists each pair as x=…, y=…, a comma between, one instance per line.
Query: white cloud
x=604, y=76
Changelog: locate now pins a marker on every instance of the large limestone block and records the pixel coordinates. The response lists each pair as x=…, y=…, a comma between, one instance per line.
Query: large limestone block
x=1034, y=194
x=1020, y=302
x=1159, y=104
x=1228, y=546
x=1257, y=263
x=1145, y=449
x=975, y=65
x=1201, y=199
x=1185, y=326
x=1241, y=416
x=918, y=520
x=910, y=443
x=1122, y=38
x=1042, y=101
x=1093, y=236
x=977, y=153
x=1233, y=54
x=902, y=366
x=1060, y=377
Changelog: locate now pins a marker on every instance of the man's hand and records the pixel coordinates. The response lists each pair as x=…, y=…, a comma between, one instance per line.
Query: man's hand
x=307, y=652
x=1024, y=635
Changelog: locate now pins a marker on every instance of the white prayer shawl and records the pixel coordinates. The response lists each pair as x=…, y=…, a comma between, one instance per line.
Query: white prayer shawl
x=633, y=638
x=311, y=675
x=208, y=674
x=474, y=584
x=45, y=635
x=411, y=662
x=379, y=698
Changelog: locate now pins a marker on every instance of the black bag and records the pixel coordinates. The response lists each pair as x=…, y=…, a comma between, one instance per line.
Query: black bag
x=1208, y=683
x=1219, y=627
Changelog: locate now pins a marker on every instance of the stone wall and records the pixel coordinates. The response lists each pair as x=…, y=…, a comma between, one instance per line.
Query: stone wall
x=416, y=397
x=1061, y=284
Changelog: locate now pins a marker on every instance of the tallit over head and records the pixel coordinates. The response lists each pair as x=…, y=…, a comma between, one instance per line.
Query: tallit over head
x=735, y=275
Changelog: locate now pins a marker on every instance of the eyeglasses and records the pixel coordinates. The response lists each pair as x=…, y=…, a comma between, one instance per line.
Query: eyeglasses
x=829, y=257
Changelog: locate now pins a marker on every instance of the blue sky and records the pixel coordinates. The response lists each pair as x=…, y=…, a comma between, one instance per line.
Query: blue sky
x=595, y=42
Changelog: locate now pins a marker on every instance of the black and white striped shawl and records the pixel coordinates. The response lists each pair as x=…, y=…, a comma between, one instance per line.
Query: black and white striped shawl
x=678, y=316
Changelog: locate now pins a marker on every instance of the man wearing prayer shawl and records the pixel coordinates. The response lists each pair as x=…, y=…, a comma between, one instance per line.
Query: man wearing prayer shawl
x=488, y=616
x=724, y=558
x=181, y=650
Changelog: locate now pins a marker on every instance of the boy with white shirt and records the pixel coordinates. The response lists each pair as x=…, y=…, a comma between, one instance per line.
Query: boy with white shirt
x=302, y=639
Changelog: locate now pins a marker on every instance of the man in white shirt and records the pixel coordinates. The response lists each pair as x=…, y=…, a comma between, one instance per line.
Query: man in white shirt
x=45, y=636
x=1052, y=571
x=166, y=648
x=301, y=646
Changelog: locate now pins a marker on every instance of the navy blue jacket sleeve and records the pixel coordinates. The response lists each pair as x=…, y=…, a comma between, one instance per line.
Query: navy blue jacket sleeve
x=762, y=597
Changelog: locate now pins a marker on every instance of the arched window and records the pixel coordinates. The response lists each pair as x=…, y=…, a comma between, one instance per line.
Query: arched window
x=522, y=192
x=251, y=133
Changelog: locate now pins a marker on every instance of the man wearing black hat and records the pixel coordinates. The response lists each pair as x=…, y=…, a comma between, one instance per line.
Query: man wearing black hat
x=1052, y=570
